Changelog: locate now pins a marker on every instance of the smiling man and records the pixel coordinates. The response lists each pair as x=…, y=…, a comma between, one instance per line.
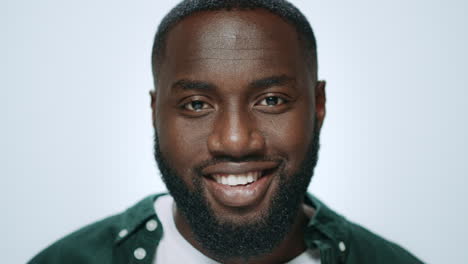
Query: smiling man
x=237, y=112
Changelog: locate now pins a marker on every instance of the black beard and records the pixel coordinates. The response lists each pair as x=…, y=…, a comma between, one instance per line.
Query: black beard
x=227, y=240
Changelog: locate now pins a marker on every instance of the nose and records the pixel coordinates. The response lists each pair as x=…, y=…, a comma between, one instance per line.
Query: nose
x=235, y=134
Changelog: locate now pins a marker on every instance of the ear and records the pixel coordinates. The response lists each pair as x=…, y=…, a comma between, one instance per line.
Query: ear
x=153, y=96
x=320, y=100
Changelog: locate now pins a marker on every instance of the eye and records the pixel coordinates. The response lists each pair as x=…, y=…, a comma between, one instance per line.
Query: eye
x=272, y=101
x=196, y=106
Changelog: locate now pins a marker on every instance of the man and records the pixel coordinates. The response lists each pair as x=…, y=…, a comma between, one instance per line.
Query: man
x=237, y=111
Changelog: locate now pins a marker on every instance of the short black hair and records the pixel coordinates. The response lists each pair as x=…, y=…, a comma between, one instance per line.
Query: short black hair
x=281, y=8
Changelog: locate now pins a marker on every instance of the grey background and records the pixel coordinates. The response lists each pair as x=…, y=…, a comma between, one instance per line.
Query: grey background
x=76, y=135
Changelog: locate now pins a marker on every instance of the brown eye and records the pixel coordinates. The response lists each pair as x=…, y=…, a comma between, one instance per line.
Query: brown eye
x=272, y=101
x=196, y=105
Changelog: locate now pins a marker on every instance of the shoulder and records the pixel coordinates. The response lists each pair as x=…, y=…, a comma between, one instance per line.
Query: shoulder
x=82, y=245
x=368, y=247
x=352, y=242
x=94, y=243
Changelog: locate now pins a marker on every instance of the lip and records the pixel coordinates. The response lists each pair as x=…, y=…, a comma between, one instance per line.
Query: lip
x=240, y=196
x=239, y=167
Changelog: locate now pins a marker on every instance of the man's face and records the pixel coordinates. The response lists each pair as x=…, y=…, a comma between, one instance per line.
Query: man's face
x=235, y=112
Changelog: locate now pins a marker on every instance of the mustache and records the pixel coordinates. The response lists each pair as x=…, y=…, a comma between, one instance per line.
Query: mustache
x=251, y=158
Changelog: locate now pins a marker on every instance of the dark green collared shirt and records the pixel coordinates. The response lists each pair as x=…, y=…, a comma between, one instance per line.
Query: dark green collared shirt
x=132, y=237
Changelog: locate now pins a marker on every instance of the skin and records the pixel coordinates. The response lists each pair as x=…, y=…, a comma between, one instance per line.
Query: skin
x=226, y=54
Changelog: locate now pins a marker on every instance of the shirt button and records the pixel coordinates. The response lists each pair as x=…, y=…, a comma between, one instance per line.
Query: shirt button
x=151, y=225
x=139, y=253
x=342, y=246
x=123, y=233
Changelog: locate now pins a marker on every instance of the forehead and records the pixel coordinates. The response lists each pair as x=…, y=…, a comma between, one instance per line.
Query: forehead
x=214, y=44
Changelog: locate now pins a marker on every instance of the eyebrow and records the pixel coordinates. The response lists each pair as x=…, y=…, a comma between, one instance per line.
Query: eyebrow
x=275, y=80
x=187, y=84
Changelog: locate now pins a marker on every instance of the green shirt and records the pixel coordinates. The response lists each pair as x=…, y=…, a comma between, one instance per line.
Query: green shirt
x=132, y=237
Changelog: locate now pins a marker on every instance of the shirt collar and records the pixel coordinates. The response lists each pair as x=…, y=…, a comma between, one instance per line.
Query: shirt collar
x=325, y=230
x=135, y=216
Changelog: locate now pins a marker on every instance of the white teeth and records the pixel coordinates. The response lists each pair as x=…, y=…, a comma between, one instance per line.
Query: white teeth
x=256, y=175
x=232, y=180
x=237, y=179
x=224, y=180
x=250, y=177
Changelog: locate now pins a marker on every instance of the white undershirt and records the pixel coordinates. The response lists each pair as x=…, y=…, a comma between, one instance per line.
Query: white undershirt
x=173, y=248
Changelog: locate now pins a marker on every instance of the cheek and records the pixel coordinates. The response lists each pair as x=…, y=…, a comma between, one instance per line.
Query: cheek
x=182, y=142
x=289, y=135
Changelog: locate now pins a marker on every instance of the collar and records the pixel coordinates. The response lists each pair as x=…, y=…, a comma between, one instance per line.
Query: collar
x=326, y=230
x=134, y=217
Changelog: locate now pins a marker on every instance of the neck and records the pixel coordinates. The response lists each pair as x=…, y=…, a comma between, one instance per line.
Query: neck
x=292, y=245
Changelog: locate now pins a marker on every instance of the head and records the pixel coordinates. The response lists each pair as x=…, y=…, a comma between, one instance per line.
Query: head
x=237, y=111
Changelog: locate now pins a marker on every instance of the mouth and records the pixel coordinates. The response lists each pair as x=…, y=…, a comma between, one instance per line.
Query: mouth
x=242, y=179
x=240, y=184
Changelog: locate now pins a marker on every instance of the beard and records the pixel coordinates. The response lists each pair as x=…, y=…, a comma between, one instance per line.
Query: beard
x=232, y=240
